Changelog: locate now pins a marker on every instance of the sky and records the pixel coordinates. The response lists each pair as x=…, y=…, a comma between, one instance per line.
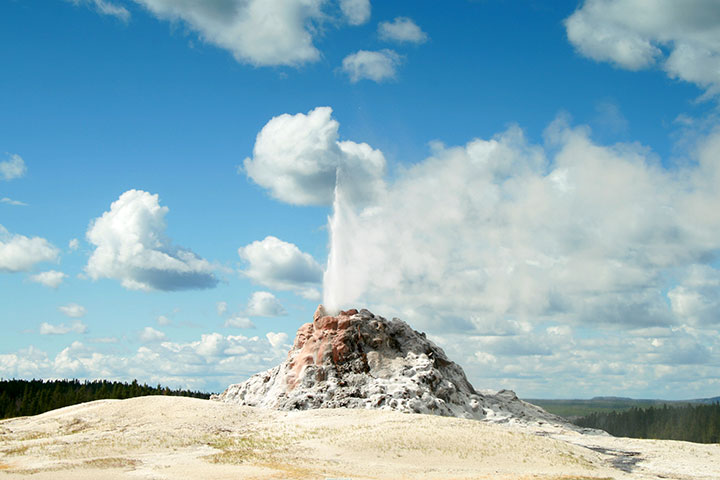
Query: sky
x=534, y=184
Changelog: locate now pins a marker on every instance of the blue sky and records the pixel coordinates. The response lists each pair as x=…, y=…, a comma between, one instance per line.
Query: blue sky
x=532, y=183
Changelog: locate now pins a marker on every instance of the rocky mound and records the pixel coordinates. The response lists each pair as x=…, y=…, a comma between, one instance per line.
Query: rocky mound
x=360, y=360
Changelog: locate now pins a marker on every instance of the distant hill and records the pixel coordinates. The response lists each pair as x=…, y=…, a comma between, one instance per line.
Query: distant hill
x=575, y=408
x=705, y=400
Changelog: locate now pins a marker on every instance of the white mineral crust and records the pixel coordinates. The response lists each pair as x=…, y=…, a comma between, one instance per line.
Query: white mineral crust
x=360, y=360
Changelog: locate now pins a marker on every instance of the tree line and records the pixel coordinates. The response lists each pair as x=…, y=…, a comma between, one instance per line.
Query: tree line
x=31, y=397
x=692, y=422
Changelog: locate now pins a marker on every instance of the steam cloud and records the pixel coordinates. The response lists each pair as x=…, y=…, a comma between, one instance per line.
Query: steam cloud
x=502, y=231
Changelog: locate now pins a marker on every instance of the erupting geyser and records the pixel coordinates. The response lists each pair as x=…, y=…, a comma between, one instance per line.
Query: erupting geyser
x=336, y=285
x=360, y=360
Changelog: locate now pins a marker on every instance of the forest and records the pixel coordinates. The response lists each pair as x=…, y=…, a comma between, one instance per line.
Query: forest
x=691, y=422
x=31, y=397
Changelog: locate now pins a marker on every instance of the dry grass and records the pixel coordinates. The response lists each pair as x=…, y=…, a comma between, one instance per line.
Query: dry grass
x=75, y=425
x=111, y=462
x=242, y=449
x=19, y=450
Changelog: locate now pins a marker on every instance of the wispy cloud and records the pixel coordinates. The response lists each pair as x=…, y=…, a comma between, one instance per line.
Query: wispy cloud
x=401, y=30
x=73, y=310
x=105, y=7
x=62, y=329
x=10, y=201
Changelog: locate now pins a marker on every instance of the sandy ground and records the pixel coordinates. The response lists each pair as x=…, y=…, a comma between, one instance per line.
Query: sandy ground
x=182, y=438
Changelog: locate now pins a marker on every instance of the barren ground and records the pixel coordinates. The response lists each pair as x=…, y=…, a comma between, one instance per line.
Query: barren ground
x=180, y=438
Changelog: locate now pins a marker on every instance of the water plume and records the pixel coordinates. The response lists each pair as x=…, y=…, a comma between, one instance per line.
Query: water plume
x=335, y=279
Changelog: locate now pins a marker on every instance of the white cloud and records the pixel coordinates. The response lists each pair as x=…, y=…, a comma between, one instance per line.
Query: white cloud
x=259, y=32
x=610, y=118
x=683, y=38
x=298, y=158
x=12, y=168
x=222, y=308
x=501, y=231
x=105, y=7
x=62, y=329
x=74, y=244
x=696, y=300
x=310, y=294
x=10, y=201
x=277, y=340
x=19, y=253
x=369, y=65
x=150, y=335
x=51, y=278
x=264, y=304
x=403, y=30
x=280, y=265
x=356, y=12
x=73, y=310
x=562, y=363
x=239, y=322
x=131, y=247
x=163, y=320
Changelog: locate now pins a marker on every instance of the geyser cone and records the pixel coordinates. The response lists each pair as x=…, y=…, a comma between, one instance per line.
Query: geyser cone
x=359, y=360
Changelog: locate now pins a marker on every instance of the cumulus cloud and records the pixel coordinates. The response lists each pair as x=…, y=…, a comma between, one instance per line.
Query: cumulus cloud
x=106, y=8
x=74, y=244
x=403, y=30
x=555, y=361
x=19, y=253
x=73, y=310
x=265, y=304
x=501, y=230
x=211, y=362
x=163, y=320
x=258, y=32
x=298, y=158
x=222, y=308
x=149, y=335
x=51, y=278
x=377, y=66
x=131, y=246
x=280, y=265
x=10, y=201
x=683, y=38
x=238, y=321
x=12, y=168
x=62, y=329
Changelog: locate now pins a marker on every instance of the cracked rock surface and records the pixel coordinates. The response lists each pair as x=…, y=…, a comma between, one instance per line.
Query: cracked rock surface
x=360, y=360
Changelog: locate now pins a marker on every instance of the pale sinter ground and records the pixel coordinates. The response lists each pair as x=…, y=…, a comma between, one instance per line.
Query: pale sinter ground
x=178, y=438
